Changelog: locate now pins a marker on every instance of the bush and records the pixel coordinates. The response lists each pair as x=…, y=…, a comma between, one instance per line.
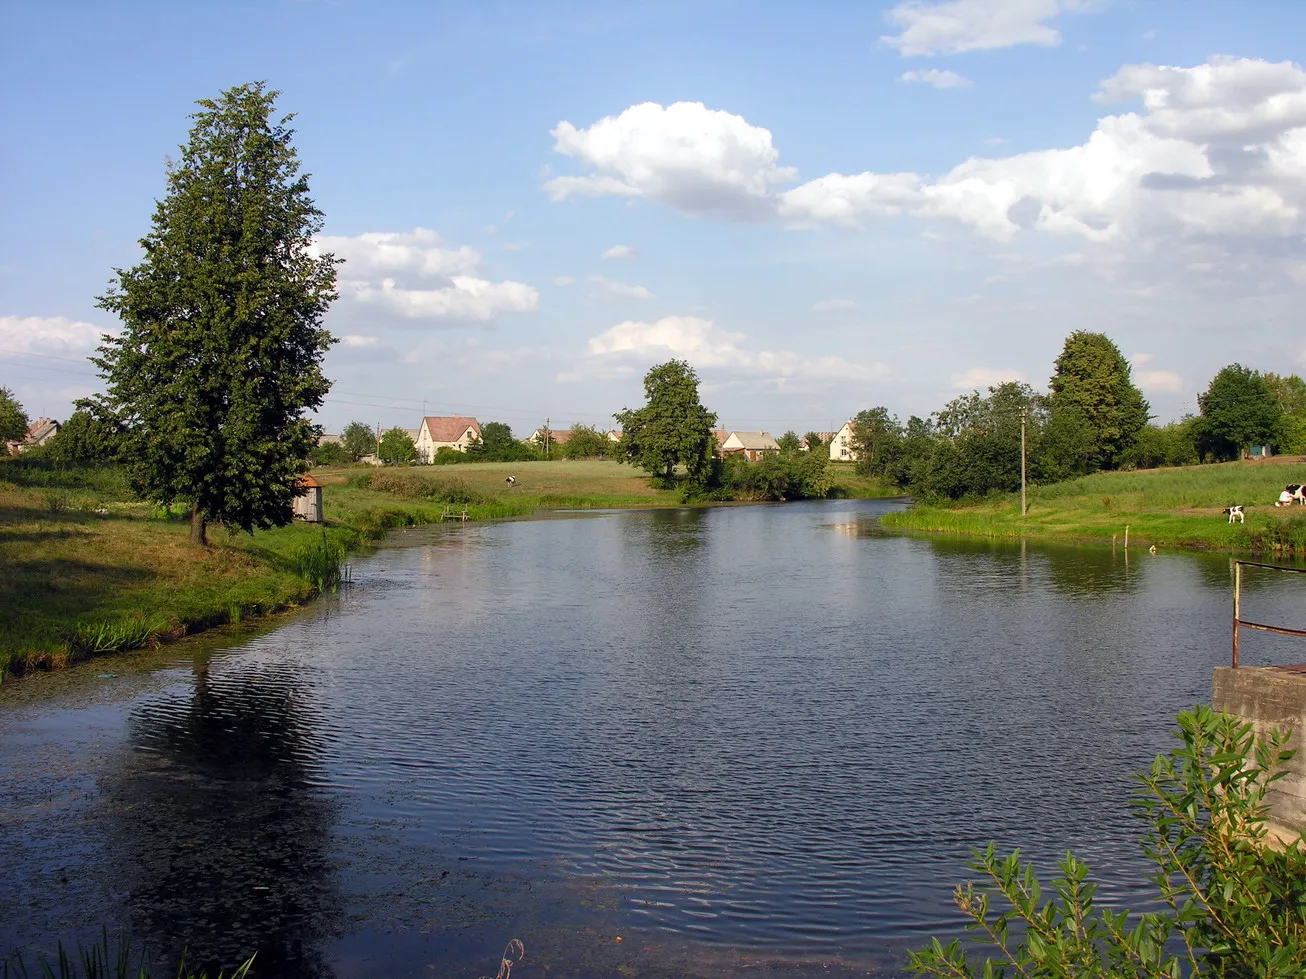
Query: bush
x=1233, y=904
x=319, y=562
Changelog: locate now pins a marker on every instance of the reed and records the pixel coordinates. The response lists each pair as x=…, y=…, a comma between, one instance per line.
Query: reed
x=319, y=562
x=103, y=960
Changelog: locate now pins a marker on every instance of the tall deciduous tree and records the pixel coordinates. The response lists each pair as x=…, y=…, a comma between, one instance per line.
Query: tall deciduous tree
x=396, y=446
x=221, y=349
x=673, y=428
x=359, y=440
x=1093, y=376
x=1238, y=409
x=13, y=420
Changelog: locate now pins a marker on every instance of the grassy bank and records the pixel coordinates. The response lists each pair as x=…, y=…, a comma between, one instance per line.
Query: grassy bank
x=1167, y=507
x=86, y=569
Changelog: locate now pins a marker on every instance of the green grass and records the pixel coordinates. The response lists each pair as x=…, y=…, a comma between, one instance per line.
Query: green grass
x=1177, y=507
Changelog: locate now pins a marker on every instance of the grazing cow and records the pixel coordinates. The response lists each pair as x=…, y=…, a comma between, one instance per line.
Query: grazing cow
x=1298, y=492
x=1235, y=511
x=511, y=480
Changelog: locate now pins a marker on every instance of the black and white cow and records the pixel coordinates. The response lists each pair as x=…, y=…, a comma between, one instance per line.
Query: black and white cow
x=1292, y=493
x=1235, y=513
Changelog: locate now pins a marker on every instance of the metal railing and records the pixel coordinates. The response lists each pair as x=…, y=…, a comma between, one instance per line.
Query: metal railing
x=1239, y=621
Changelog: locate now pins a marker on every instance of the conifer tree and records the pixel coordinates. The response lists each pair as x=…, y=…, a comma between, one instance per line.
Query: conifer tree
x=220, y=353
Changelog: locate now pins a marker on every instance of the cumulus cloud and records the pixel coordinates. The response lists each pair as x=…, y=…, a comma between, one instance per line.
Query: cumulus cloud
x=705, y=345
x=617, y=290
x=825, y=305
x=380, y=253
x=49, y=335
x=1167, y=381
x=1219, y=149
x=983, y=378
x=954, y=26
x=936, y=77
x=467, y=298
x=394, y=270
x=357, y=340
x=620, y=251
x=694, y=159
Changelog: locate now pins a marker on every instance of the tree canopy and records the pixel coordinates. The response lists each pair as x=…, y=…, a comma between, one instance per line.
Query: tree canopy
x=586, y=442
x=1238, y=409
x=85, y=438
x=672, y=429
x=359, y=440
x=13, y=420
x=1094, y=377
x=396, y=446
x=497, y=444
x=220, y=353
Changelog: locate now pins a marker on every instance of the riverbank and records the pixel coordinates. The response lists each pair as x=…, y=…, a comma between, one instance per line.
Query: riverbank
x=85, y=569
x=1177, y=507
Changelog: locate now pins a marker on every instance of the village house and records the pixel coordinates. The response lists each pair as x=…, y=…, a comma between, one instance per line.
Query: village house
x=720, y=435
x=556, y=436
x=452, y=432
x=751, y=445
x=38, y=433
x=841, y=445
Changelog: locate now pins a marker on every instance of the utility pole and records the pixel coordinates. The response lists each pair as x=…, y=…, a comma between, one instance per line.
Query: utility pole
x=547, y=432
x=1024, y=413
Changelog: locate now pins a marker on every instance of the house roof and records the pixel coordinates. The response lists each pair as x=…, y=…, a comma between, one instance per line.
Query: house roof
x=825, y=437
x=721, y=434
x=40, y=429
x=756, y=441
x=450, y=429
x=557, y=436
x=307, y=482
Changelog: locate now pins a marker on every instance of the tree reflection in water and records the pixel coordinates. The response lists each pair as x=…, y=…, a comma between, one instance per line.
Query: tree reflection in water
x=220, y=827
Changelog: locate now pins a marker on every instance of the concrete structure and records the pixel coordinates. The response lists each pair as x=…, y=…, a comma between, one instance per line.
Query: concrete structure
x=841, y=446
x=1272, y=697
x=751, y=445
x=308, y=500
x=450, y=432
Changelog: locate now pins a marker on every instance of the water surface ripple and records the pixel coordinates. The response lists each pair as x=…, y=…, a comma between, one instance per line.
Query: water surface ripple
x=770, y=730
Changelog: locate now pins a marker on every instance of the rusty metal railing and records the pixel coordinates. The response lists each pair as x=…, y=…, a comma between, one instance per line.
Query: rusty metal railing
x=1239, y=621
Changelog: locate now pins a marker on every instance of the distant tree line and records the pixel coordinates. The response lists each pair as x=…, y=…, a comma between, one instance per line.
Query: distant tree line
x=1092, y=418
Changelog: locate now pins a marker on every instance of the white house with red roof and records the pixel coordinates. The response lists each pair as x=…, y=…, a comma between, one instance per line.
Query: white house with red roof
x=457, y=432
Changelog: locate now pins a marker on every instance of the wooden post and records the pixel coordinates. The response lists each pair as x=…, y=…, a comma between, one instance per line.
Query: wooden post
x=1237, y=606
x=1126, y=537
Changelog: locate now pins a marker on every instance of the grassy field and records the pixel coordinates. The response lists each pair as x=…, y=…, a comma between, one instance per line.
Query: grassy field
x=85, y=569
x=1167, y=507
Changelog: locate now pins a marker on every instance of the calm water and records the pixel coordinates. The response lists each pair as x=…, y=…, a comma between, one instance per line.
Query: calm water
x=764, y=735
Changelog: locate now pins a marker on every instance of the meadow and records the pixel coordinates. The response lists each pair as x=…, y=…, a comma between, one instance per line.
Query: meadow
x=1175, y=507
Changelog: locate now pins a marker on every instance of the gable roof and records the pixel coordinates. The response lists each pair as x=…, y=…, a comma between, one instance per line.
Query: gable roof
x=40, y=429
x=721, y=434
x=755, y=441
x=451, y=428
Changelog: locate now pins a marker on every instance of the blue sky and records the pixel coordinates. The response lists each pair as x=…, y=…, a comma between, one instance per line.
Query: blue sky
x=823, y=207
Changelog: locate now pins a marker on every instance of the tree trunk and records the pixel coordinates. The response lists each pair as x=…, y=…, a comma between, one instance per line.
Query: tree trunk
x=199, y=526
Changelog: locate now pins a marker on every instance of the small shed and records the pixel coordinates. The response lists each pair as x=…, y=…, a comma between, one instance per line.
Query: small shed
x=308, y=500
x=1260, y=452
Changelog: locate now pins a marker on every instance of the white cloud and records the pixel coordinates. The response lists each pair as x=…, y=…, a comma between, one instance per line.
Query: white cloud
x=706, y=346
x=954, y=26
x=983, y=378
x=467, y=298
x=936, y=77
x=394, y=270
x=564, y=281
x=620, y=251
x=357, y=340
x=1219, y=149
x=381, y=253
x=48, y=335
x=1167, y=381
x=617, y=290
x=828, y=304
x=694, y=159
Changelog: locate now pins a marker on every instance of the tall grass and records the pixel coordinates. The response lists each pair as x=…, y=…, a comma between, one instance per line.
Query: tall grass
x=102, y=960
x=319, y=562
x=38, y=473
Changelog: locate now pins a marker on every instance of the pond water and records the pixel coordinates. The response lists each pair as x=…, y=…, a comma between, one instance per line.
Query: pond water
x=666, y=743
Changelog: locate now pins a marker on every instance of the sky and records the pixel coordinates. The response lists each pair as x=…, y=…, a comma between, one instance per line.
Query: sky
x=823, y=207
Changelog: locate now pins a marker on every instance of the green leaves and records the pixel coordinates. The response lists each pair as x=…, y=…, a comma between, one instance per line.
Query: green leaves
x=220, y=353
x=1235, y=905
x=1093, y=376
x=672, y=429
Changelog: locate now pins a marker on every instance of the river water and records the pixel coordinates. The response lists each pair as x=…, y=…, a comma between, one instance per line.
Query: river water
x=656, y=743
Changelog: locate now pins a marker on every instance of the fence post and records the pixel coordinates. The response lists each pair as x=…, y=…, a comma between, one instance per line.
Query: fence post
x=1237, y=606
